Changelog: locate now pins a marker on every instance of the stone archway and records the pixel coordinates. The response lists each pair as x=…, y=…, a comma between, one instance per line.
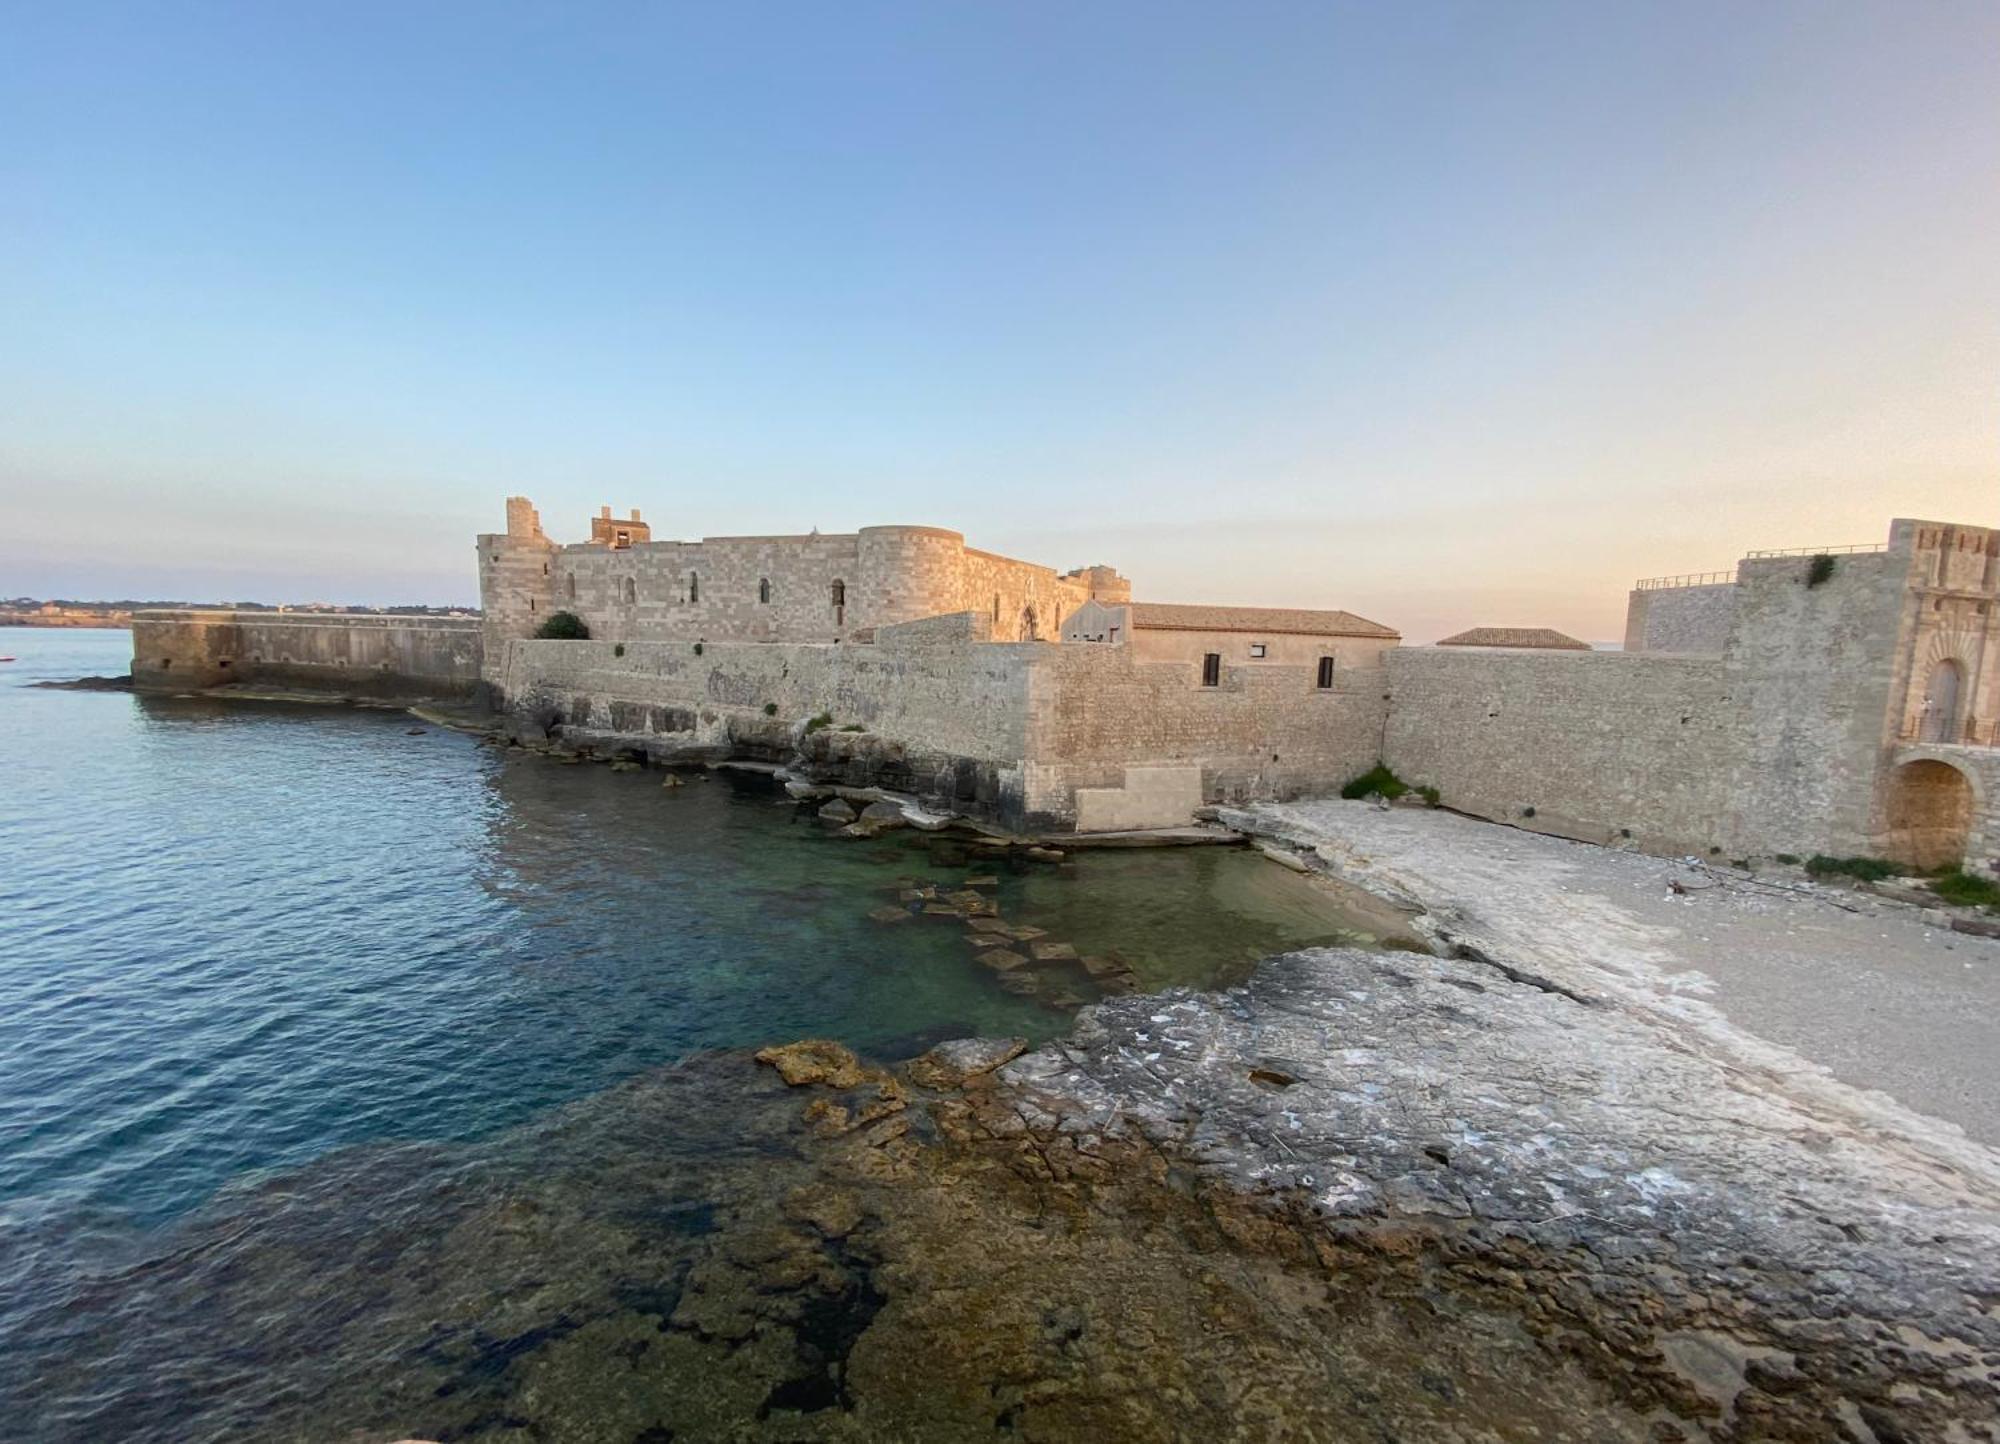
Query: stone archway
x=1928, y=814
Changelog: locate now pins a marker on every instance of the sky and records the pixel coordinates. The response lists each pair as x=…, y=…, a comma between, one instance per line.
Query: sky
x=1447, y=314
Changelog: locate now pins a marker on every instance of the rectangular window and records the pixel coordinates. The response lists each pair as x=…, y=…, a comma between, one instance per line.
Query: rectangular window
x=1211, y=669
x=1257, y=649
x=1325, y=672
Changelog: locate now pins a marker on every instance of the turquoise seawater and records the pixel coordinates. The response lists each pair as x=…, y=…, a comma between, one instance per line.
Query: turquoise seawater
x=236, y=939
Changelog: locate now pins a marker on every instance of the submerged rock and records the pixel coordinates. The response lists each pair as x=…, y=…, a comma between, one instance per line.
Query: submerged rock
x=949, y=1065
x=1002, y=960
x=838, y=810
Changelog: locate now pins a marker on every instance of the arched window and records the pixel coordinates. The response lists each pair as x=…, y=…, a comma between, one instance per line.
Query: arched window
x=631, y=592
x=694, y=587
x=1940, y=715
x=764, y=590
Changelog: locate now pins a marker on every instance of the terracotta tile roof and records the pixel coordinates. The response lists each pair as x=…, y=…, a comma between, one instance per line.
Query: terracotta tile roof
x=1547, y=637
x=1172, y=617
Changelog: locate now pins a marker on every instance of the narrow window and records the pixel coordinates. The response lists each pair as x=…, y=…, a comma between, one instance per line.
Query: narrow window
x=694, y=587
x=624, y=540
x=1114, y=634
x=631, y=592
x=1257, y=649
x=1211, y=669
x=996, y=606
x=1325, y=672
x=839, y=602
x=764, y=590
x=569, y=587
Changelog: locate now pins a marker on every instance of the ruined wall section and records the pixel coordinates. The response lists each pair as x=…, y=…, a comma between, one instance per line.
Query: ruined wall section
x=1267, y=733
x=1681, y=620
x=343, y=654
x=1601, y=745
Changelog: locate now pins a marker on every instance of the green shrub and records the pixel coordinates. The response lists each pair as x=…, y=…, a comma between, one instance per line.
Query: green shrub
x=1376, y=781
x=565, y=627
x=1527, y=812
x=1820, y=571
x=697, y=649
x=1868, y=869
x=1966, y=890
x=619, y=650
x=770, y=709
x=1430, y=795
x=854, y=727
x=825, y=719
x=1789, y=859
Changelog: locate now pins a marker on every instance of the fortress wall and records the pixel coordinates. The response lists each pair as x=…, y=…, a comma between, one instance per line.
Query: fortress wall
x=943, y=720
x=351, y=654
x=1811, y=671
x=907, y=572
x=1266, y=733
x=1692, y=620
x=642, y=593
x=1007, y=591
x=1598, y=743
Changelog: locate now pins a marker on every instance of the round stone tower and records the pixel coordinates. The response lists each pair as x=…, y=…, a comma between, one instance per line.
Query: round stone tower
x=516, y=590
x=907, y=572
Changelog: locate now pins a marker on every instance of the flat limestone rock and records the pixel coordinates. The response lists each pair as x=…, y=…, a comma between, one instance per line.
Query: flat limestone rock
x=1022, y=983
x=882, y=814
x=1053, y=952
x=990, y=927
x=951, y=1064
x=891, y=914
x=838, y=810
x=815, y=1060
x=1001, y=960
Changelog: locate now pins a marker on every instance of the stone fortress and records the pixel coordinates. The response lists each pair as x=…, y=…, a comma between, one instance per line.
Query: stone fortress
x=1842, y=700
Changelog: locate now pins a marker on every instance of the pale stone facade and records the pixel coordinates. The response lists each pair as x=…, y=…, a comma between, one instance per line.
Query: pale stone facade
x=1840, y=703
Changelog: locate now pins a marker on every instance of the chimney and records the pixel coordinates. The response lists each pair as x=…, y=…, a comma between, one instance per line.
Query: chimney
x=604, y=512
x=635, y=513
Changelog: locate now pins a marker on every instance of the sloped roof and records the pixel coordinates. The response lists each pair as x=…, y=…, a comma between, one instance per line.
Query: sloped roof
x=1173, y=617
x=1547, y=637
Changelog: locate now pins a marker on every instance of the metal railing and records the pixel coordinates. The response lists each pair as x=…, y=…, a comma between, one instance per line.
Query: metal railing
x=1821, y=551
x=1691, y=579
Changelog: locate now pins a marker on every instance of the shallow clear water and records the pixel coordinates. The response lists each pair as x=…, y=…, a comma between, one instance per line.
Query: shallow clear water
x=236, y=938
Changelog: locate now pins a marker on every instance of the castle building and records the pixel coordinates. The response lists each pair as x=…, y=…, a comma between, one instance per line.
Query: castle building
x=816, y=588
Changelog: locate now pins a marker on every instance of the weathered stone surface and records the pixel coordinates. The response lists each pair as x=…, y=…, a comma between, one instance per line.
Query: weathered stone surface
x=891, y=914
x=816, y=1060
x=1002, y=960
x=838, y=810
x=1052, y=952
x=950, y=1064
x=883, y=815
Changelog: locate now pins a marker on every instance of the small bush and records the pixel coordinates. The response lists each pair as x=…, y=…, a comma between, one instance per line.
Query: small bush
x=619, y=650
x=564, y=627
x=854, y=727
x=1967, y=890
x=1820, y=571
x=1377, y=781
x=1867, y=869
x=1430, y=795
x=1789, y=859
x=825, y=719
x=1527, y=812
x=770, y=709
x=697, y=649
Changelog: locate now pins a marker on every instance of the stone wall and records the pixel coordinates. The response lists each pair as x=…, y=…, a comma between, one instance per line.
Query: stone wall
x=1266, y=733
x=1692, y=620
x=348, y=654
x=1599, y=744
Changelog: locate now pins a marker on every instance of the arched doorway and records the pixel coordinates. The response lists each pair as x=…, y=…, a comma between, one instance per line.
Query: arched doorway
x=1941, y=705
x=1928, y=815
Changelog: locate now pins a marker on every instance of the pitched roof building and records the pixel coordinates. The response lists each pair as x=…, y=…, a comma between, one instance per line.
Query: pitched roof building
x=1547, y=638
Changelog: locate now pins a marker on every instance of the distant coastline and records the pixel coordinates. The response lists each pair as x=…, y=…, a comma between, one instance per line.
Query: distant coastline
x=34, y=612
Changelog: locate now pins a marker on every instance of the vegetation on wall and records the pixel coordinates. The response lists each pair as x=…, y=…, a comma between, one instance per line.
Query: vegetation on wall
x=1380, y=781
x=564, y=627
x=770, y=709
x=1820, y=570
x=1867, y=869
x=1965, y=889
x=824, y=719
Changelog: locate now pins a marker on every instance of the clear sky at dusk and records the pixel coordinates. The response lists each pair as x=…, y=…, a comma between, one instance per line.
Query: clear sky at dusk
x=1448, y=314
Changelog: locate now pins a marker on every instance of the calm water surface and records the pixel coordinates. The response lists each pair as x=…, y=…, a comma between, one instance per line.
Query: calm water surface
x=238, y=939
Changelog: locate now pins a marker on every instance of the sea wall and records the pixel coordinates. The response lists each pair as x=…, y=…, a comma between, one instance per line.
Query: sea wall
x=1694, y=619
x=1603, y=746
x=943, y=721
x=341, y=653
